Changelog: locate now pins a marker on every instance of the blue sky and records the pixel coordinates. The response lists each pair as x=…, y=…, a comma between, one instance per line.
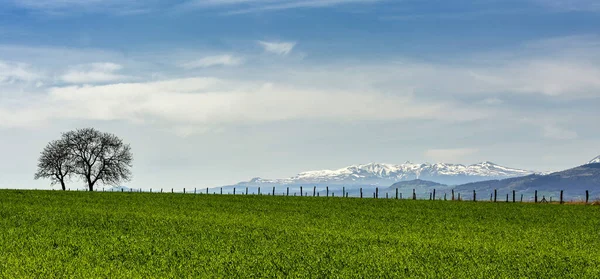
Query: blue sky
x=217, y=91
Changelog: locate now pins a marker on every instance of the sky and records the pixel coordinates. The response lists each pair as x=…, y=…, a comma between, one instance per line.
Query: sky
x=214, y=92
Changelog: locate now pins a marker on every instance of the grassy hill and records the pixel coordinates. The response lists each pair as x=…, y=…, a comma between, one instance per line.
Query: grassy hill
x=46, y=234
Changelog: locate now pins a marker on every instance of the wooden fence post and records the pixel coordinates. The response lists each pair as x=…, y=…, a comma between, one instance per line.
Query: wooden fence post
x=521, y=197
x=196, y=189
x=333, y=194
x=452, y=194
x=246, y=191
x=207, y=190
x=445, y=194
x=434, y=194
x=495, y=195
x=514, y=193
x=221, y=190
x=301, y=191
x=506, y=197
x=474, y=196
x=373, y=195
x=430, y=194
x=259, y=191
x=327, y=191
x=161, y=190
x=273, y=191
x=386, y=196
x=459, y=197
x=376, y=192
x=361, y=193
x=172, y=191
x=396, y=193
x=400, y=195
x=234, y=191
x=414, y=195
x=184, y=190
x=587, y=196
x=287, y=193
x=561, y=197
x=535, y=197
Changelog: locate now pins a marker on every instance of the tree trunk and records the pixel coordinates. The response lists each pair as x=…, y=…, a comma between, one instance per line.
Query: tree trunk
x=62, y=183
x=90, y=184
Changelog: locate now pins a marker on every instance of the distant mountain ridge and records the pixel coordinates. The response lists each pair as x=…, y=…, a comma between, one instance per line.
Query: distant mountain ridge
x=424, y=178
x=377, y=174
x=573, y=181
x=595, y=160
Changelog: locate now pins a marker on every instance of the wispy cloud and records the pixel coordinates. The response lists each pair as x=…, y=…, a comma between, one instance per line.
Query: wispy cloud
x=217, y=60
x=570, y=5
x=466, y=15
x=15, y=72
x=250, y=6
x=93, y=73
x=279, y=48
x=459, y=91
x=129, y=7
x=231, y=7
x=119, y=7
x=491, y=101
x=553, y=131
x=203, y=102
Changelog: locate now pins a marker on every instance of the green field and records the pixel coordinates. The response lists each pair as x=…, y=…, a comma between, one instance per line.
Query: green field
x=123, y=235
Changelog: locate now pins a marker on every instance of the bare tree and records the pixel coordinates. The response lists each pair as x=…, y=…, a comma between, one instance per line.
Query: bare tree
x=99, y=156
x=55, y=163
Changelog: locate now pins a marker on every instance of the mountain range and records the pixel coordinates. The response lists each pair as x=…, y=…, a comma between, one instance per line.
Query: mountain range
x=482, y=177
x=375, y=174
x=573, y=181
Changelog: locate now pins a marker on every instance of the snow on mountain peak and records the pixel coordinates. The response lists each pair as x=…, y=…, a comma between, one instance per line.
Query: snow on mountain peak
x=379, y=173
x=595, y=160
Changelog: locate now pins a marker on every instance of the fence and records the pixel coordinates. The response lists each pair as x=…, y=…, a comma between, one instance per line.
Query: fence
x=512, y=196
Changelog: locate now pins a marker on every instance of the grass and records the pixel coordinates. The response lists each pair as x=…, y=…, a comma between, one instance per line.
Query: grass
x=46, y=234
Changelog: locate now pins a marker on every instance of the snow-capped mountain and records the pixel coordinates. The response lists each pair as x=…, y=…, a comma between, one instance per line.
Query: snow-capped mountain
x=595, y=160
x=388, y=174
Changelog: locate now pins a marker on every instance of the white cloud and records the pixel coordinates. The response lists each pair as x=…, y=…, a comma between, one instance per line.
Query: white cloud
x=209, y=102
x=217, y=60
x=491, y=101
x=450, y=155
x=93, y=73
x=129, y=7
x=17, y=72
x=120, y=7
x=570, y=5
x=556, y=132
x=379, y=91
x=551, y=77
x=250, y=6
x=279, y=48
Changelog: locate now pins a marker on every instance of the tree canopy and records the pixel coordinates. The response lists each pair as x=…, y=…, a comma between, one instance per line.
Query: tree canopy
x=92, y=155
x=55, y=163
